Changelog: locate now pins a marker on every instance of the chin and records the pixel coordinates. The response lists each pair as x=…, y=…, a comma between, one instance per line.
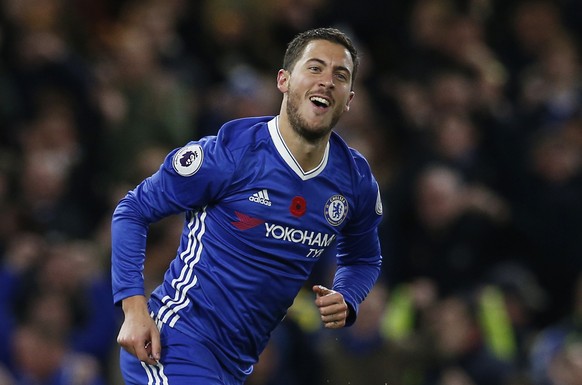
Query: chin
x=313, y=134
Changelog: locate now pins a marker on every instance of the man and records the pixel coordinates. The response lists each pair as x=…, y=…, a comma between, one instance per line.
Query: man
x=265, y=199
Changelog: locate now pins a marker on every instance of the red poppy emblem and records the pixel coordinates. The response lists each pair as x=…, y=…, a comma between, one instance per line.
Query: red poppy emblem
x=298, y=206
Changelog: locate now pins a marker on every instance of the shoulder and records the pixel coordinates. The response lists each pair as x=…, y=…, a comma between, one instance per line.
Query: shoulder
x=364, y=184
x=233, y=140
x=358, y=164
x=243, y=131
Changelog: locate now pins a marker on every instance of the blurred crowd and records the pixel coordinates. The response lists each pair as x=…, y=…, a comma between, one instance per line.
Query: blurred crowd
x=470, y=113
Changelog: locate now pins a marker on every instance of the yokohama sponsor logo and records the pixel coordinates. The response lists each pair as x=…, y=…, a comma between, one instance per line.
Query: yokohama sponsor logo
x=306, y=237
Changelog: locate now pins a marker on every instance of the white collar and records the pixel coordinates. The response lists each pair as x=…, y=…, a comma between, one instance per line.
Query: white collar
x=288, y=157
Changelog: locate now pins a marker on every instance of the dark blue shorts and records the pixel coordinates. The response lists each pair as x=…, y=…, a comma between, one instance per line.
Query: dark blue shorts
x=184, y=361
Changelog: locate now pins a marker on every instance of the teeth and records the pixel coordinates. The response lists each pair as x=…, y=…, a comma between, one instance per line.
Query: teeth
x=320, y=100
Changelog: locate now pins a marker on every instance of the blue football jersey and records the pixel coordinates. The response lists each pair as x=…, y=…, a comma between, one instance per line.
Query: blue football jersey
x=255, y=225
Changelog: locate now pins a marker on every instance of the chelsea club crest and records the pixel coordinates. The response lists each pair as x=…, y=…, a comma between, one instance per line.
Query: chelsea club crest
x=336, y=209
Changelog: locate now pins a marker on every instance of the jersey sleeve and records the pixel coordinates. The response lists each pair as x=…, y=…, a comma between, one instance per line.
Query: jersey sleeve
x=359, y=257
x=190, y=177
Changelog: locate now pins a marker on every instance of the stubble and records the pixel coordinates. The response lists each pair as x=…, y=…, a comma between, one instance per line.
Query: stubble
x=301, y=126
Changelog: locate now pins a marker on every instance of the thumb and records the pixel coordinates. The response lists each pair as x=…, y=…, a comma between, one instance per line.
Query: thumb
x=321, y=290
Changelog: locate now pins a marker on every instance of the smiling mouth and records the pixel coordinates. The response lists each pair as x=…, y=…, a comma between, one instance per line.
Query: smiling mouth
x=320, y=102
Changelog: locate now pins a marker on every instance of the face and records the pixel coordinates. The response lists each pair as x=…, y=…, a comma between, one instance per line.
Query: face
x=318, y=89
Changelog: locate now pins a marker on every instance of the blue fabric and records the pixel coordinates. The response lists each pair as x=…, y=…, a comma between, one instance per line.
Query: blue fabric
x=184, y=361
x=255, y=226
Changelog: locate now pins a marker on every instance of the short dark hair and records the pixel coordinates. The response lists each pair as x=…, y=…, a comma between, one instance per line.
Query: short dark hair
x=296, y=47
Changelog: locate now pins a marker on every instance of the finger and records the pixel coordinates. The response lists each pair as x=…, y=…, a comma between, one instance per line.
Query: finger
x=334, y=324
x=129, y=349
x=127, y=344
x=321, y=290
x=156, y=348
x=333, y=316
x=144, y=354
x=331, y=304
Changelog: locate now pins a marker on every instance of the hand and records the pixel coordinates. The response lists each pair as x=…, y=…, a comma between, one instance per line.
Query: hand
x=332, y=307
x=139, y=334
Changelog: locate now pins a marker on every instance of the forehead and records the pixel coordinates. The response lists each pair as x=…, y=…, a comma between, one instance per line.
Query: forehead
x=329, y=52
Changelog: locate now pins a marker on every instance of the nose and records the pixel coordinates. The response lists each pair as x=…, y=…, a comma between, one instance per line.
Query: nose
x=327, y=80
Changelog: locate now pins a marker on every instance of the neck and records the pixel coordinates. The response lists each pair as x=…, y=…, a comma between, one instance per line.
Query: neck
x=307, y=153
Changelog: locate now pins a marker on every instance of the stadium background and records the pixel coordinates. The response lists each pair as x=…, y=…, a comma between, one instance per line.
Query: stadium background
x=470, y=115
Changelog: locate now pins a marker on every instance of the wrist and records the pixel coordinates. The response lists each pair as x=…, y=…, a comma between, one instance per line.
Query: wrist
x=135, y=302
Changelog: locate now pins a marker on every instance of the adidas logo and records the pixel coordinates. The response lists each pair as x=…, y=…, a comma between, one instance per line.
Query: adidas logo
x=261, y=197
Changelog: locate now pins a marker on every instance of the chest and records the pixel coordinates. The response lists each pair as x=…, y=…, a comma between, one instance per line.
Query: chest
x=278, y=196
x=268, y=205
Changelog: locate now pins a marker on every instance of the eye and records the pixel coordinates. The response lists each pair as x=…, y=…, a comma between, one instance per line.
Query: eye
x=342, y=76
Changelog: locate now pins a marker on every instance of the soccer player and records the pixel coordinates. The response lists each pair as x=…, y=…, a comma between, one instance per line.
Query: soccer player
x=264, y=200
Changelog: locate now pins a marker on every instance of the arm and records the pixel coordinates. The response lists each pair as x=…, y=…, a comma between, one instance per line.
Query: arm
x=129, y=228
x=359, y=256
x=138, y=334
x=173, y=189
x=146, y=204
x=355, y=282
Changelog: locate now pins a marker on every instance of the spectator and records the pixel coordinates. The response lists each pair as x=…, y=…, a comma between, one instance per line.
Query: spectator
x=488, y=88
x=452, y=228
x=58, y=366
x=555, y=352
x=363, y=355
x=461, y=356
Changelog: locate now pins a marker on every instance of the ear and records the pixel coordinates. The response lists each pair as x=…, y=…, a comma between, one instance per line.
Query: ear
x=283, y=80
x=347, y=106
